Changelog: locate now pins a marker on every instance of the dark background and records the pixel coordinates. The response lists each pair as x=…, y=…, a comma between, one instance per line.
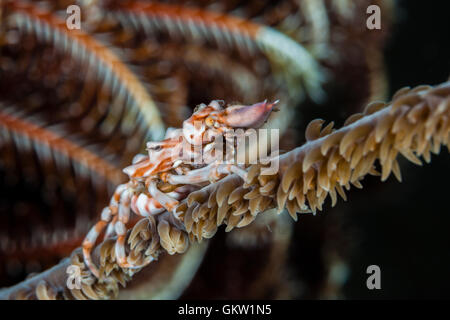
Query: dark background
x=404, y=227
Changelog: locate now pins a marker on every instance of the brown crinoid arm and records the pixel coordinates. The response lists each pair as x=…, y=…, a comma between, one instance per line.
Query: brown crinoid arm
x=45, y=142
x=415, y=124
x=107, y=65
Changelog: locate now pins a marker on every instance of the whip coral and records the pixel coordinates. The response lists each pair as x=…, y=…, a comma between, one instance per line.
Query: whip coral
x=414, y=124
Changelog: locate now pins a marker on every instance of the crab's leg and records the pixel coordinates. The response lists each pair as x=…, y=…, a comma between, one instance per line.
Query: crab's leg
x=95, y=231
x=111, y=226
x=118, y=194
x=91, y=238
x=145, y=206
x=113, y=206
x=164, y=200
x=192, y=177
x=211, y=172
x=121, y=230
x=227, y=169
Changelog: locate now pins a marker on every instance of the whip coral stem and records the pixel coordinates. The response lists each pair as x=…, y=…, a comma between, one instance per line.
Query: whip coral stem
x=414, y=124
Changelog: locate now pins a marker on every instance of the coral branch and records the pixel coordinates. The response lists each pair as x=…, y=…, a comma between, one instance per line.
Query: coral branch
x=415, y=124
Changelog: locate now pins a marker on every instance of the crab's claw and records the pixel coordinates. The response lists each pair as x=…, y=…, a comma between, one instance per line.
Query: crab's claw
x=252, y=116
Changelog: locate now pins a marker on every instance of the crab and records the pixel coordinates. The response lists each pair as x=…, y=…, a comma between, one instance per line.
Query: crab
x=184, y=161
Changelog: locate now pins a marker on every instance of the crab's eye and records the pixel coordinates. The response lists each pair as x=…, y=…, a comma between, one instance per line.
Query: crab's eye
x=199, y=107
x=156, y=148
x=209, y=122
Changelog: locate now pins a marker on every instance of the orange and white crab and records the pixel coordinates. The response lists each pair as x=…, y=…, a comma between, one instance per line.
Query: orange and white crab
x=158, y=181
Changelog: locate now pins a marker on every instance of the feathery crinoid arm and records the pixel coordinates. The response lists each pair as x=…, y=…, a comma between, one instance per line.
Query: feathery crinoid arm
x=28, y=134
x=415, y=124
x=226, y=30
x=110, y=69
x=290, y=62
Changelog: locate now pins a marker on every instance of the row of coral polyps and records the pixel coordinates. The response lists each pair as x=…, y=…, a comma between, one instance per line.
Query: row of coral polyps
x=415, y=124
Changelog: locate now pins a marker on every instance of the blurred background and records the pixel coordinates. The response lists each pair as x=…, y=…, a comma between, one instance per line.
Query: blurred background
x=403, y=227
x=47, y=204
